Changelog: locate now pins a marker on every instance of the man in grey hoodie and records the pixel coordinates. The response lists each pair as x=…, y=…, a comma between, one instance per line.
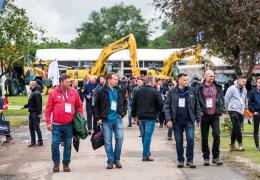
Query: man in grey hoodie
x=235, y=99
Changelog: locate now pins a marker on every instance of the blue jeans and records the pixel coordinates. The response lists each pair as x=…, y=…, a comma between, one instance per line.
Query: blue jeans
x=178, y=133
x=108, y=129
x=67, y=133
x=129, y=109
x=147, y=128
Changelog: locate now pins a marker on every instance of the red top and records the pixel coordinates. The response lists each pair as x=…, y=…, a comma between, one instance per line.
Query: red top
x=55, y=108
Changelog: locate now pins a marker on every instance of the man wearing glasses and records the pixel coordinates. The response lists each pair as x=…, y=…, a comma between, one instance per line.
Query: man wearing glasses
x=211, y=100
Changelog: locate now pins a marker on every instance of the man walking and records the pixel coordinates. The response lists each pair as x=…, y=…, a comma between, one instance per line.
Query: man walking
x=235, y=104
x=61, y=106
x=254, y=107
x=211, y=100
x=181, y=110
x=109, y=109
x=88, y=92
x=147, y=103
x=35, y=108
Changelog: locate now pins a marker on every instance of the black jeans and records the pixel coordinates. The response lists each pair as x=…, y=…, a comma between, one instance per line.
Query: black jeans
x=170, y=132
x=162, y=118
x=34, y=125
x=256, y=129
x=90, y=113
x=213, y=122
x=237, y=120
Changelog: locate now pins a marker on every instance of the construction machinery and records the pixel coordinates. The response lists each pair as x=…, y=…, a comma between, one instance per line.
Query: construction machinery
x=22, y=75
x=167, y=69
x=100, y=66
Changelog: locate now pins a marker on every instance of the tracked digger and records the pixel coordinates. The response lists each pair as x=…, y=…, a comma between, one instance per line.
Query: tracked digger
x=167, y=70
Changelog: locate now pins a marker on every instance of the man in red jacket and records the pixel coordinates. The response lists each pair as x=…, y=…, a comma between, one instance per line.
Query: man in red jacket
x=61, y=106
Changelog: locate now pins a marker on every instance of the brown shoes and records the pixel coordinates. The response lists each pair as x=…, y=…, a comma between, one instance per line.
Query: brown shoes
x=118, y=164
x=66, y=167
x=8, y=139
x=56, y=168
x=109, y=166
x=147, y=159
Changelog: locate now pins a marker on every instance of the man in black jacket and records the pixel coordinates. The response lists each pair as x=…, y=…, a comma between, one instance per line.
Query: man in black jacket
x=211, y=100
x=109, y=109
x=147, y=103
x=181, y=110
x=35, y=108
x=254, y=107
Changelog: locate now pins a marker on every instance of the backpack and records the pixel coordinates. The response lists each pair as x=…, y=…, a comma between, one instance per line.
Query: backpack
x=79, y=126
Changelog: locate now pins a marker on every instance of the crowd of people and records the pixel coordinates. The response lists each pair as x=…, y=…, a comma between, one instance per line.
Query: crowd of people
x=177, y=105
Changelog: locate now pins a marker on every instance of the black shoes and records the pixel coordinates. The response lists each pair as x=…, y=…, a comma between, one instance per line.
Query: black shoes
x=147, y=159
x=109, y=166
x=180, y=165
x=217, y=162
x=190, y=164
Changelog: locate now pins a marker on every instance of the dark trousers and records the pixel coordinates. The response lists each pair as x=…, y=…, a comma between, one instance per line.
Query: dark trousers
x=178, y=134
x=256, y=129
x=170, y=132
x=34, y=125
x=237, y=120
x=213, y=122
x=90, y=113
x=162, y=118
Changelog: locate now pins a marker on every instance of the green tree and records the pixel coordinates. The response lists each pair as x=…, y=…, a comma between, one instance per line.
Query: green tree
x=175, y=36
x=16, y=36
x=230, y=27
x=109, y=24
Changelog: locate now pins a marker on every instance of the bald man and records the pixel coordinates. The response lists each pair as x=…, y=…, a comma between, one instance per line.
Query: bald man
x=211, y=100
x=35, y=108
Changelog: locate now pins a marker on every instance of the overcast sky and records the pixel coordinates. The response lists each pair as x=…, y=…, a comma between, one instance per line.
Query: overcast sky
x=61, y=17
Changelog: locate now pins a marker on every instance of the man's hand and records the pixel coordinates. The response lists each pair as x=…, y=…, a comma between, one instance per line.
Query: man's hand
x=135, y=120
x=255, y=113
x=99, y=122
x=88, y=96
x=49, y=127
x=201, y=113
x=40, y=116
x=169, y=124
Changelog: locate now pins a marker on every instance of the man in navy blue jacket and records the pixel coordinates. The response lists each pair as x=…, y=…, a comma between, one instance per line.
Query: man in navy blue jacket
x=254, y=107
x=88, y=92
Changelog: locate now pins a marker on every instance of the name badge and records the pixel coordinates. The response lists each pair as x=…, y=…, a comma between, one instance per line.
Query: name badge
x=181, y=102
x=67, y=108
x=113, y=105
x=241, y=100
x=209, y=103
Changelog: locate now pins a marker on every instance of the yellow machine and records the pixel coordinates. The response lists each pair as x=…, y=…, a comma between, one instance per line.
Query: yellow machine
x=99, y=69
x=167, y=71
x=38, y=69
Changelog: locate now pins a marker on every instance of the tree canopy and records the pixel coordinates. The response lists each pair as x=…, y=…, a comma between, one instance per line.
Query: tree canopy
x=16, y=35
x=230, y=27
x=110, y=24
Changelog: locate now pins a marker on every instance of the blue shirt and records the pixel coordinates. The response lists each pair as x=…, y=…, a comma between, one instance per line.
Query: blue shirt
x=113, y=114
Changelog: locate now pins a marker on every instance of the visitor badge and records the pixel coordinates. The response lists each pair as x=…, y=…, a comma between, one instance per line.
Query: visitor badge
x=209, y=103
x=67, y=108
x=113, y=105
x=182, y=102
x=241, y=100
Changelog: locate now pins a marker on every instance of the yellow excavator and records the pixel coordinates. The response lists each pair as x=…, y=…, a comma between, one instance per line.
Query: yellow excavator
x=168, y=63
x=99, y=68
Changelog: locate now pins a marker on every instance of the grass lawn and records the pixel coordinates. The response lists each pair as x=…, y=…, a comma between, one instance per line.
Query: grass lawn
x=20, y=101
x=17, y=122
x=248, y=142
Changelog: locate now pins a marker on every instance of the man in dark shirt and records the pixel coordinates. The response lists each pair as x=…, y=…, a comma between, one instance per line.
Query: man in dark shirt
x=147, y=103
x=211, y=104
x=181, y=110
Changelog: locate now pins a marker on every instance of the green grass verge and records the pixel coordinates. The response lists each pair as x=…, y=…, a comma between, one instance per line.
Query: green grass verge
x=20, y=101
x=17, y=122
x=248, y=142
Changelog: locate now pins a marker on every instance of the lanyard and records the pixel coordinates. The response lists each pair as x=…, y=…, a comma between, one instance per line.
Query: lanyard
x=63, y=96
x=182, y=94
x=240, y=92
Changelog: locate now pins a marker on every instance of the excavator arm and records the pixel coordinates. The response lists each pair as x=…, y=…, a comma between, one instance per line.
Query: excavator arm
x=127, y=42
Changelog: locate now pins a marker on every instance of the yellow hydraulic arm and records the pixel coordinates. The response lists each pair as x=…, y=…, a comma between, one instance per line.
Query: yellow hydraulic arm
x=166, y=71
x=128, y=42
